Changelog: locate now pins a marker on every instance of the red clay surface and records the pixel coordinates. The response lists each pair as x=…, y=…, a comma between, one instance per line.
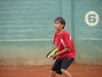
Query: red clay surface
x=44, y=71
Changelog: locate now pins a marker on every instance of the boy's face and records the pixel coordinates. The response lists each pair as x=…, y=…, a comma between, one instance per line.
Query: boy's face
x=58, y=25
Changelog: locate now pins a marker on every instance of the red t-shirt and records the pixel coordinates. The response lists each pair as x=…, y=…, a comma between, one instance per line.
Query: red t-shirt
x=64, y=40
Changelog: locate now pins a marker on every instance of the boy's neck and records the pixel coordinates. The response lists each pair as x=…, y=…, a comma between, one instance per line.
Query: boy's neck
x=60, y=31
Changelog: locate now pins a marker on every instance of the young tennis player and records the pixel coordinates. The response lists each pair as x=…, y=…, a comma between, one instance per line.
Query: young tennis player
x=66, y=50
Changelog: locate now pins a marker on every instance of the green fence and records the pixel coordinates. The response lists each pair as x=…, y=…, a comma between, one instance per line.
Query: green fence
x=26, y=30
x=87, y=30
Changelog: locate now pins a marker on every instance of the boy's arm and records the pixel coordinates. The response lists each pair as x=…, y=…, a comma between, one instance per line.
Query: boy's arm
x=67, y=49
x=64, y=51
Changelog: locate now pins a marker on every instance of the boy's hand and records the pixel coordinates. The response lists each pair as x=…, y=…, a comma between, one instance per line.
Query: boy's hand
x=54, y=57
x=62, y=52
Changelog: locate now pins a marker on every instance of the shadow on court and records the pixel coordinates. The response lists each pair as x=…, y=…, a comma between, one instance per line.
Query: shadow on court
x=44, y=71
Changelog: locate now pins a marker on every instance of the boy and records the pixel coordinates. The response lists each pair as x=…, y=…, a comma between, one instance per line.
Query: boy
x=66, y=50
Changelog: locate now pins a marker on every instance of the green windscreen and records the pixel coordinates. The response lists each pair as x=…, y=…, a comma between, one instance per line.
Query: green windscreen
x=28, y=19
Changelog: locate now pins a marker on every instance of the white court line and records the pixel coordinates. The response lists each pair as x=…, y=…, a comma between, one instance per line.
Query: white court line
x=29, y=40
x=90, y=39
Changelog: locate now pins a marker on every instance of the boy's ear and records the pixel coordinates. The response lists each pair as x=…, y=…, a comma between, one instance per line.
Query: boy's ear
x=62, y=26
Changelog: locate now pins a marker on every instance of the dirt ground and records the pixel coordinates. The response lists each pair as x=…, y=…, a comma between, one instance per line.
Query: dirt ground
x=44, y=71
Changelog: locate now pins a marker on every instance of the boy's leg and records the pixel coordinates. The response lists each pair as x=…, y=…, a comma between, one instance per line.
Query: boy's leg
x=53, y=73
x=65, y=73
x=65, y=64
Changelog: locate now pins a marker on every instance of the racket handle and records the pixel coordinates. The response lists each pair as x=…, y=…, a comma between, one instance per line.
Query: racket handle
x=53, y=54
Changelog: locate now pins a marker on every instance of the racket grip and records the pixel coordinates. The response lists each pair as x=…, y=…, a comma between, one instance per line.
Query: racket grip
x=53, y=54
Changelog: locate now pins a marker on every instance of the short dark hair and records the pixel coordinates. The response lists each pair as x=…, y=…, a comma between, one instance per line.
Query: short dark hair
x=61, y=20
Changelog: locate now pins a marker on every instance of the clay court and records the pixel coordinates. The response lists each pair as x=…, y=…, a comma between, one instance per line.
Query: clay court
x=27, y=33
x=44, y=71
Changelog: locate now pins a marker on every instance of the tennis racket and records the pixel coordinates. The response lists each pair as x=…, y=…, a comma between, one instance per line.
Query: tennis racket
x=52, y=52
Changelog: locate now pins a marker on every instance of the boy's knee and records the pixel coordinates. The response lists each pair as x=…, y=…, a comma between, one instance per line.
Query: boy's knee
x=63, y=70
x=53, y=72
